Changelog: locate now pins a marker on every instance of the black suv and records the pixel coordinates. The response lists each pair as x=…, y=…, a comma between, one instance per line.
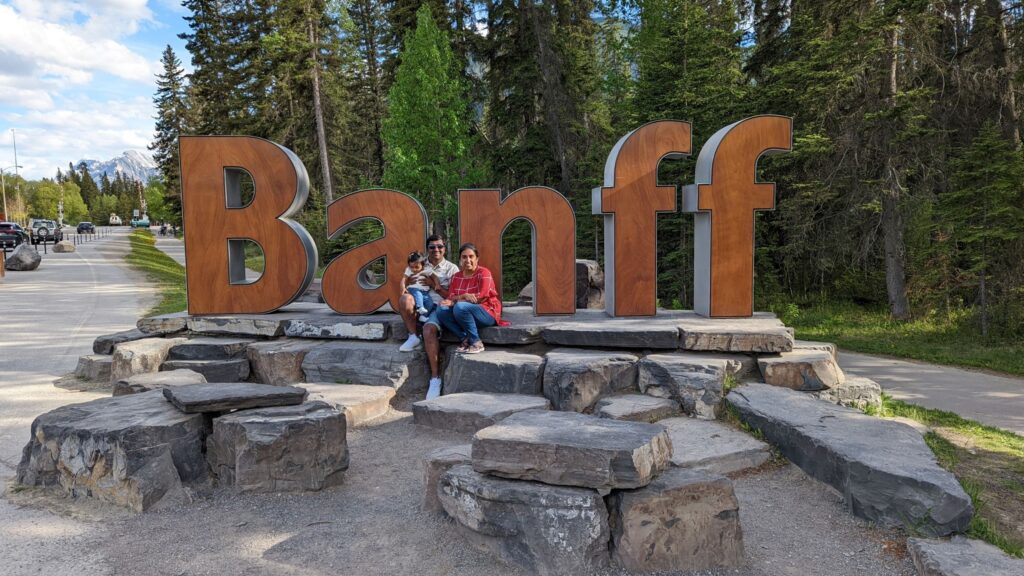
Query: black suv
x=86, y=228
x=11, y=234
x=46, y=231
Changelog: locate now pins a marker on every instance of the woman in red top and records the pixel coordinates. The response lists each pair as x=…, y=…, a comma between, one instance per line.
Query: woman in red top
x=472, y=301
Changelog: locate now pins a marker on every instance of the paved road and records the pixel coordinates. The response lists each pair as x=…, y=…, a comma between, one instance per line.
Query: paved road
x=50, y=318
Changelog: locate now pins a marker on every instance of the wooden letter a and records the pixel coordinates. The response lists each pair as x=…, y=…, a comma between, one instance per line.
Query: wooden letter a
x=725, y=196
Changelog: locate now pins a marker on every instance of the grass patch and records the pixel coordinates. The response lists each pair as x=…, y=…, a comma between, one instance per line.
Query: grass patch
x=988, y=462
x=952, y=340
x=162, y=270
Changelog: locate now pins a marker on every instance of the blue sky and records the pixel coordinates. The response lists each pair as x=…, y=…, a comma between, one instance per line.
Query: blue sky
x=77, y=78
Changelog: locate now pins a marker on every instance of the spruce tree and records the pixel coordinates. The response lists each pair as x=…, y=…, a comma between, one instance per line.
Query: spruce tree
x=170, y=123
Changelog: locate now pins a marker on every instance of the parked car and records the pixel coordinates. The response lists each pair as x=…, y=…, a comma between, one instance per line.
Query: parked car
x=45, y=231
x=141, y=222
x=86, y=228
x=114, y=220
x=12, y=234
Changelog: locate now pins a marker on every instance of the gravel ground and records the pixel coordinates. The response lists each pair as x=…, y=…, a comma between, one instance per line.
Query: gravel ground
x=372, y=525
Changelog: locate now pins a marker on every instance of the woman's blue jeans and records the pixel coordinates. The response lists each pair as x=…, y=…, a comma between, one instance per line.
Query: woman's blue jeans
x=464, y=319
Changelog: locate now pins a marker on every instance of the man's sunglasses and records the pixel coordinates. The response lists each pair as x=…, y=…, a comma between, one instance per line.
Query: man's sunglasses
x=435, y=247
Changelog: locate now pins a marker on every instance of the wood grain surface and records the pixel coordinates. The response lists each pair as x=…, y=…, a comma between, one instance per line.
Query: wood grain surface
x=483, y=218
x=405, y=227
x=632, y=196
x=211, y=224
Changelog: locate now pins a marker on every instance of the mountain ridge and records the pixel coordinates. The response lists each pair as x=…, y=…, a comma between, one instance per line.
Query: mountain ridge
x=131, y=163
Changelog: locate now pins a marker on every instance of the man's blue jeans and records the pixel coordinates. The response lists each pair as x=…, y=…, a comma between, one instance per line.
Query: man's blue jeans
x=464, y=319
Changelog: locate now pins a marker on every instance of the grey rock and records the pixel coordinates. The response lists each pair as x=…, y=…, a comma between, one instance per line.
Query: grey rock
x=685, y=520
x=713, y=446
x=761, y=333
x=23, y=259
x=279, y=361
x=94, y=367
x=133, y=451
x=636, y=408
x=359, y=403
x=105, y=344
x=471, y=411
x=855, y=392
x=222, y=397
x=884, y=469
x=140, y=356
x=961, y=556
x=524, y=328
x=63, y=247
x=207, y=348
x=547, y=530
x=805, y=370
x=337, y=327
x=285, y=448
x=163, y=324
x=697, y=382
x=819, y=346
x=589, y=285
x=590, y=330
x=156, y=381
x=370, y=363
x=498, y=371
x=576, y=379
x=232, y=370
x=265, y=325
x=437, y=463
x=572, y=449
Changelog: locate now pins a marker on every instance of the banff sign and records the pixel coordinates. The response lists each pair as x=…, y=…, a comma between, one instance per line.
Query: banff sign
x=723, y=199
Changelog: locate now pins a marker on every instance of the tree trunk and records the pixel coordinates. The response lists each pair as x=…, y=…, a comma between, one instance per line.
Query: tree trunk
x=318, y=113
x=983, y=302
x=1003, y=90
x=892, y=219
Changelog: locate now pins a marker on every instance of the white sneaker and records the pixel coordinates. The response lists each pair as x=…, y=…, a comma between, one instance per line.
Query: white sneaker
x=410, y=344
x=435, y=388
x=424, y=319
x=422, y=311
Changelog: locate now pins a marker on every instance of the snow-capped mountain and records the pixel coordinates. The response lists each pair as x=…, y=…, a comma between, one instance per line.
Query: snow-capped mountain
x=134, y=164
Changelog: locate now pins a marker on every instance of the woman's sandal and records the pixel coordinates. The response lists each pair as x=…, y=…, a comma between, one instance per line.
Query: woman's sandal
x=475, y=348
x=463, y=348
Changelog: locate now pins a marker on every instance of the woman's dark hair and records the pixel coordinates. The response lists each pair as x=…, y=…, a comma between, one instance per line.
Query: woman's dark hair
x=416, y=257
x=469, y=246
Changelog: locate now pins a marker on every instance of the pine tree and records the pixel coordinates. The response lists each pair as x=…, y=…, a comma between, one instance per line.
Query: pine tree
x=171, y=115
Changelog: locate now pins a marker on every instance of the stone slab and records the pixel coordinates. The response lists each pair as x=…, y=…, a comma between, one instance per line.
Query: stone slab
x=284, y=448
x=855, y=391
x=696, y=381
x=359, y=403
x=576, y=379
x=495, y=371
x=369, y=363
x=133, y=451
x=140, y=356
x=209, y=348
x=636, y=408
x=884, y=470
x=595, y=329
x=804, y=370
x=222, y=397
x=437, y=463
x=571, y=449
x=713, y=446
x=279, y=362
x=231, y=370
x=820, y=346
x=157, y=381
x=961, y=556
x=683, y=521
x=94, y=367
x=472, y=411
x=163, y=324
x=762, y=333
x=546, y=530
x=105, y=344
x=342, y=327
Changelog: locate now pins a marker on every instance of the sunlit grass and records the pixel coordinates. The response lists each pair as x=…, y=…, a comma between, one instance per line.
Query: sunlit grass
x=168, y=275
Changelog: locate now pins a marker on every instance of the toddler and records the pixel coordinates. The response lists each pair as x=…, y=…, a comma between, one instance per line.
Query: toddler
x=419, y=278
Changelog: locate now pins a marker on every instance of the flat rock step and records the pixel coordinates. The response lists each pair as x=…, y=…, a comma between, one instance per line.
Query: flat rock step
x=359, y=403
x=140, y=356
x=105, y=344
x=571, y=449
x=636, y=408
x=437, y=463
x=576, y=379
x=495, y=371
x=370, y=363
x=207, y=348
x=472, y=411
x=884, y=469
x=230, y=370
x=279, y=361
x=225, y=396
x=695, y=381
x=156, y=381
x=713, y=446
x=806, y=370
x=94, y=367
x=856, y=392
x=961, y=556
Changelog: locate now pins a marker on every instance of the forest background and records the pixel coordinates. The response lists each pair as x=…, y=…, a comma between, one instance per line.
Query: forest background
x=901, y=204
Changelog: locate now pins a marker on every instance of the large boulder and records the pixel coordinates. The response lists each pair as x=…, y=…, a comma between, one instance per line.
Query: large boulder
x=713, y=446
x=696, y=381
x=285, y=448
x=23, y=259
x=856, y=392
x=134, y=451
x=279, y=362
x=884, y=469
x=762, y=333
x=805, y=370
x=472, y=411
x=572, y=449
x=369, y=363
x=961, y=556
x=63, y=247
x=636, y=408
x=547, y=530
x=359, y=403
x=105, y=344
x=437, y=463
x=589, y=285
x=576, y=379
x=228, y=370
x=94, y=367
x=156, y=380
x=140, y=356
x=209, y=348
x=224, y=397
x=685, y=520
x=498, y=371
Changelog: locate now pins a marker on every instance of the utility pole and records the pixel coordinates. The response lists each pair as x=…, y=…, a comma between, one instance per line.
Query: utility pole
x=17, y=182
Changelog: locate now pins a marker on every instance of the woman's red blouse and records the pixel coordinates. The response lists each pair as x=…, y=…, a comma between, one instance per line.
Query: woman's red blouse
x=481, y=283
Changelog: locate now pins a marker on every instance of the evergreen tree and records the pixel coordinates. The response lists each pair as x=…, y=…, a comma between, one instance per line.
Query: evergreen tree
x=170, y=124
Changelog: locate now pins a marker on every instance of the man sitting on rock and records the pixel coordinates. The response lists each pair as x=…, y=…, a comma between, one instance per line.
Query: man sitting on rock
x=431, y=333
